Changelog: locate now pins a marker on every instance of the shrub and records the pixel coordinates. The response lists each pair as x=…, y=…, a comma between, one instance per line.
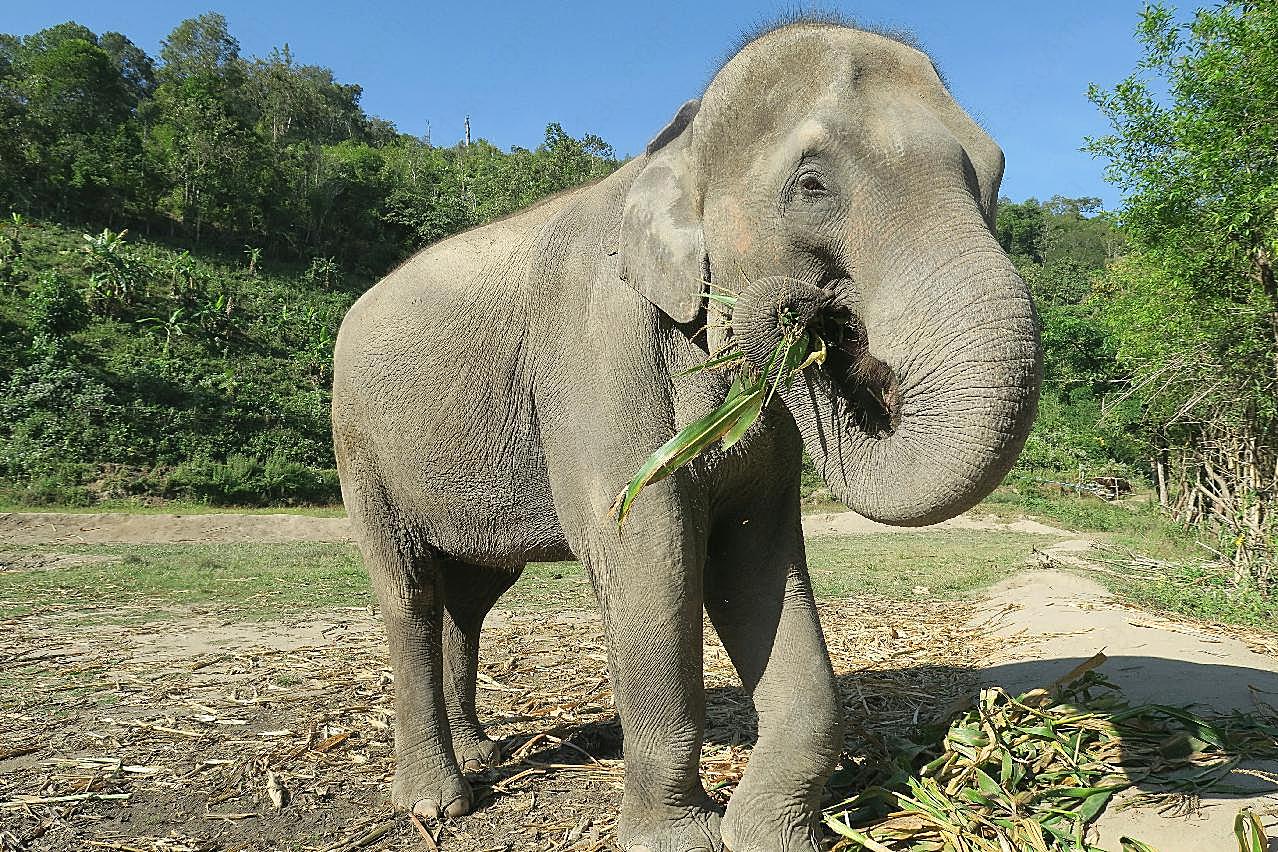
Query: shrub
x=56, y=306
x=245, y=481
x=51, y=410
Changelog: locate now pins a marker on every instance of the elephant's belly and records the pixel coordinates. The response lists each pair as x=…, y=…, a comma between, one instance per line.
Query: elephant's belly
x=497, y=521
x=499, y=540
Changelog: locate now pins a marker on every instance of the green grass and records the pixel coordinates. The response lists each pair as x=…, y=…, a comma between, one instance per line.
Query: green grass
x=144, y=582
x=947, y=563
x=257, y=581
x=1204, y=592
x=1082, y=513
x=177, y=507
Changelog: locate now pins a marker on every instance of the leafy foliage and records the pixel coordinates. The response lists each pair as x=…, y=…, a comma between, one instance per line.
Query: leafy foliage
x=1036, y=770
x=1062, y=248
x=222, y=150
x=192, y=387
x=1193, y=309
x=1202, y=183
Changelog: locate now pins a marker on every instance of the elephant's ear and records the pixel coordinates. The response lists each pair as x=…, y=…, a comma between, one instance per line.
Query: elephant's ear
x=661, y=245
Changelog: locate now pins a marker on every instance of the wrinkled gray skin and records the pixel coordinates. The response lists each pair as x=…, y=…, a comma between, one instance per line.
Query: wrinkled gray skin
x=493, y=395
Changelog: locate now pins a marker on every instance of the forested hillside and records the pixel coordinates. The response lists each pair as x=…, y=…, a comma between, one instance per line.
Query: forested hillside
x=206, y=148
x=184, y=234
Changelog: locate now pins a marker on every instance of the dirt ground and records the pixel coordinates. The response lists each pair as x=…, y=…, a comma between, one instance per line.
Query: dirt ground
x=196, y=733
x=123, y=528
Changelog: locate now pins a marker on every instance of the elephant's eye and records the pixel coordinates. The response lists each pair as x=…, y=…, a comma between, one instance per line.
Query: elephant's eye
x=812, y=185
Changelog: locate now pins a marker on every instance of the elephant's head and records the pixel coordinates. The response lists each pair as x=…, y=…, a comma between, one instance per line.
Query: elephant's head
x=827, y=174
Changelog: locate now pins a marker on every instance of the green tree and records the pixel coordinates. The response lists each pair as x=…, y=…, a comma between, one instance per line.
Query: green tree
x=136, y=68
x=213, y=162
x=199, y=47
x=1076, y=229
x=1021, y=229
x=304, y=102
x=1194, y=307
x=79, y=140
x=1077, y=429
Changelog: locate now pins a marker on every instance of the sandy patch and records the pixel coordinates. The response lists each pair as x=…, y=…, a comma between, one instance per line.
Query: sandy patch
x=1054, y=620
x=850, y=523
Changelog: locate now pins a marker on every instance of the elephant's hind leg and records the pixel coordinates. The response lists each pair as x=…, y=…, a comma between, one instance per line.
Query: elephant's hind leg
x=470, y=593
x=408, y=580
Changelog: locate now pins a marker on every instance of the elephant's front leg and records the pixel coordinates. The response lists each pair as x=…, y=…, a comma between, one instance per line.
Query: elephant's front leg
x=650, y=594
x=760, y=600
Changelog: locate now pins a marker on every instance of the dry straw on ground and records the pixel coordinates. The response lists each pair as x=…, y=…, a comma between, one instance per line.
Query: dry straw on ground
x=157, y=738
x=198, y=734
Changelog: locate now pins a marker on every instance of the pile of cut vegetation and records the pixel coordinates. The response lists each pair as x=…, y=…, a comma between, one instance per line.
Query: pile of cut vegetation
x=1035, y=771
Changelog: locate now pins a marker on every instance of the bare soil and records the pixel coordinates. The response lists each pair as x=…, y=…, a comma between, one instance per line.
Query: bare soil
x=28, y=528
x=34, y=528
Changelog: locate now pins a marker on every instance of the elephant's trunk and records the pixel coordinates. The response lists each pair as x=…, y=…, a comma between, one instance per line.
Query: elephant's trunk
x=931, y=382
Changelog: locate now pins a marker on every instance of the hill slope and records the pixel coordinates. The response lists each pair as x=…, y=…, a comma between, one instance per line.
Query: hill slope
x=138, y=369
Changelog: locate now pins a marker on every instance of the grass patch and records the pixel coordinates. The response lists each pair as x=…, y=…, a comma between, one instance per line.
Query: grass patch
x=1083, y=512
x=947, y=563
x=176, y=507
x=260, y=581
x=253, y=580
x=145, y=582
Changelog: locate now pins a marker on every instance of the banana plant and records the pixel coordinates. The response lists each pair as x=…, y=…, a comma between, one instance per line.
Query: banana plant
x=172, y=327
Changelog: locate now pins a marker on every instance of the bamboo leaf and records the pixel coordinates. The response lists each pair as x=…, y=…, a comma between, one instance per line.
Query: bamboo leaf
x=689, y=443
x=844, y=830
x=746, y=420
x=1250, y=832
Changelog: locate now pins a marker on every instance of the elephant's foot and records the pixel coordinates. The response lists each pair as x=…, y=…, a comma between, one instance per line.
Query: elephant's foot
x=687, y=829
x=769, y=823
x=430, y=794
x=475, y=752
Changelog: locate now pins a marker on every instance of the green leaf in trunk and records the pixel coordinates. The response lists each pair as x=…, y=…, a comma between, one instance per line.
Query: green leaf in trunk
x=689, y=443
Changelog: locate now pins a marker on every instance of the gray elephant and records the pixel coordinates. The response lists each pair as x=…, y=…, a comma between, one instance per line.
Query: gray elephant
x=494, y=394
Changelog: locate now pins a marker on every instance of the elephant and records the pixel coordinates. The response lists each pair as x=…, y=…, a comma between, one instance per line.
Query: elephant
x=493, y=394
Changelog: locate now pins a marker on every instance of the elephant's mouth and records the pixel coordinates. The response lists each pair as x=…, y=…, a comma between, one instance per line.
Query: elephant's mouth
x=868, y=384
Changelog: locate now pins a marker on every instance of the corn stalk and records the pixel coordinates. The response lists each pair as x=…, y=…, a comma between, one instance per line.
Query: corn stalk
x=748, y=396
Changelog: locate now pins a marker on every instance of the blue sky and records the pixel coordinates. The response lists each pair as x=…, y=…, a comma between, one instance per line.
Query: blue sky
x=621, y=70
